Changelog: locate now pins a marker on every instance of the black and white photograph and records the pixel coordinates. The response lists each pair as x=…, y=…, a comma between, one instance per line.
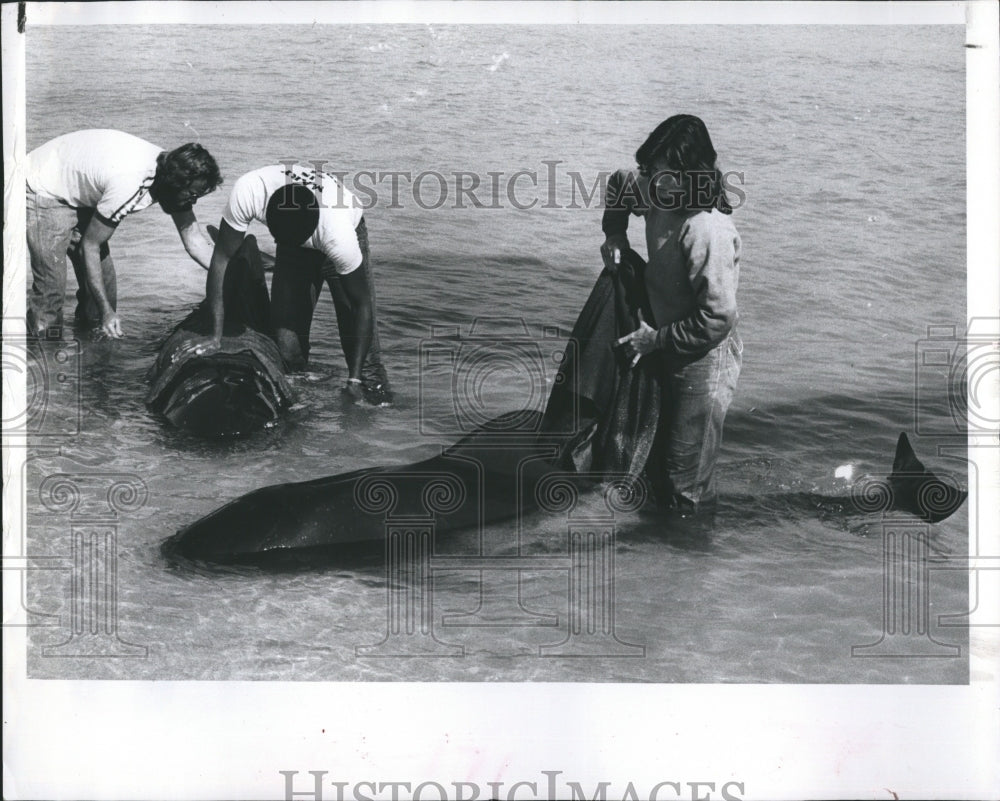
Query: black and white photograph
x=501, y=400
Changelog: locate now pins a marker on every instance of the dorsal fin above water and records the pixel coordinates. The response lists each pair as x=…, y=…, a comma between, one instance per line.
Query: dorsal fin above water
x=905, y=460
x=917, y=490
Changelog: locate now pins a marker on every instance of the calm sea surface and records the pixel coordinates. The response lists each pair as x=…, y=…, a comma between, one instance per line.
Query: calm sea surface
x=851, y=145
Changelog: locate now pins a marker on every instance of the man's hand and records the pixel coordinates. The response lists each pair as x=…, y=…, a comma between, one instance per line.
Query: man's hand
x=611, y=250
x=92, y=239
x=639, y=342
x=200, y=346
x=111, y=326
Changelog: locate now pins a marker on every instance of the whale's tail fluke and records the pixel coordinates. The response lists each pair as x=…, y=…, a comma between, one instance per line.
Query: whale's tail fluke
x=917, y=490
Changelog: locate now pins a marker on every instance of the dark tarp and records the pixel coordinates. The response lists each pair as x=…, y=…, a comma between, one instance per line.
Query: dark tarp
x=240, y=387
x=608, y=409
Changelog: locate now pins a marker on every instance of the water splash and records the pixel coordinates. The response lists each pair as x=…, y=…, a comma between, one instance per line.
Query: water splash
x=845, y=471
x=498, y=60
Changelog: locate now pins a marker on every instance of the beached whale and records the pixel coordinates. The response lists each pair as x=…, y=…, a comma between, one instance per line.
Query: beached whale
x=472, y=483
x=241, y=387
x=598, y=425
x=482, y=479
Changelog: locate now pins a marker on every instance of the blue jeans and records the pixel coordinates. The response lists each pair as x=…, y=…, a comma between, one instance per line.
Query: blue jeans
x=299, y=274
x=695, y=398
x=53, y=232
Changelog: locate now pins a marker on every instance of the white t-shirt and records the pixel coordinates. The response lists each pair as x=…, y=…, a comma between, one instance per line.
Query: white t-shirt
x=339, y=214
x=110, y=171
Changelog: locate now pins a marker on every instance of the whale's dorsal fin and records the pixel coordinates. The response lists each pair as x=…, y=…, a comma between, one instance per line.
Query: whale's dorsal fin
x=906, y=460
x=917, y=490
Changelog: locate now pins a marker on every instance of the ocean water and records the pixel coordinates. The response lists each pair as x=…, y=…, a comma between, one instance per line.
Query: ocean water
x=849, y=146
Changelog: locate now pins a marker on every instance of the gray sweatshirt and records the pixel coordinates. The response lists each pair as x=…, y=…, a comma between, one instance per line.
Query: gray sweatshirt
x=693, y=270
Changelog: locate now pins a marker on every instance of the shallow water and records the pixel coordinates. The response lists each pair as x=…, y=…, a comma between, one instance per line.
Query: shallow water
x=854, y=243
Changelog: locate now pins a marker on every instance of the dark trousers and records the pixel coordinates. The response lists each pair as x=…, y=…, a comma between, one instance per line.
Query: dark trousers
x=53, y=233
x=299, y=274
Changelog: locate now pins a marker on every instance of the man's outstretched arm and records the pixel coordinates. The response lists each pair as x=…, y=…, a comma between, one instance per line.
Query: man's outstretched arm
x=94, y=238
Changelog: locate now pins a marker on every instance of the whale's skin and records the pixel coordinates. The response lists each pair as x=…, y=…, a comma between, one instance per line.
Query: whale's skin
x=598, y=425
x=497, y=468
x=238, y=389
x=340, y=518
x=481, y=479
x=916, y=490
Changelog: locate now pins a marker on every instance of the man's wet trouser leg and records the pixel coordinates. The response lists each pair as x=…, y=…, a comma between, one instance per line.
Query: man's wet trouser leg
x=696, y=398
x=49, y=228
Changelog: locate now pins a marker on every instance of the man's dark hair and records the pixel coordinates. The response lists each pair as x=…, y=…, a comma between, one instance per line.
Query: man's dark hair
x=177, y=170
x=292, y=214
x=682, y=141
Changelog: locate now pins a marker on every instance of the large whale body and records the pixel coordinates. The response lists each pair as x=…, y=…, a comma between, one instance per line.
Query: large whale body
x=477, y=481
x=480, y=480
x=241, y=387
x=598, y=426
x=588, y=429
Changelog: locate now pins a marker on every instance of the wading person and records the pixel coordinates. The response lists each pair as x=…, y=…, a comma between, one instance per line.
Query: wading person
x=80, y=186
x=320, y=232
x=691, y=280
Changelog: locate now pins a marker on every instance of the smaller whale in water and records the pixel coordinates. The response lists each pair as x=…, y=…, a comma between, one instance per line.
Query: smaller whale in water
x=241, y=387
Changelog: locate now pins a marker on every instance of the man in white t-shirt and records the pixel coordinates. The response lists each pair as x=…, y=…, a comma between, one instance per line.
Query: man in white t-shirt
x=321, y=236
x=80, y=186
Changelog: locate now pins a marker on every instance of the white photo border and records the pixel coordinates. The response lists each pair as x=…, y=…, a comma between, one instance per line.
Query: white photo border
x=179, y=740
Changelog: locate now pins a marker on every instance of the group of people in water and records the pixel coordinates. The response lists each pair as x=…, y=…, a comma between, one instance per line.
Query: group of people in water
x=82, y=185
